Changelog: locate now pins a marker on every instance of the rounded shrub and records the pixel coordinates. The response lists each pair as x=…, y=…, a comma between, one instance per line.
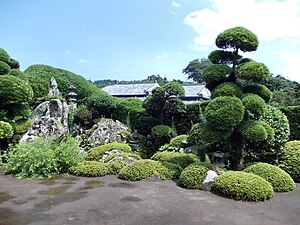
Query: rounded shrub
x=193, y=176
x=91, y=169
x=146, y=168
x=224, y=113
x=291, y=159
x=254, y=104
x=14, y=90
x=227, y=89
x=179, y=141
x=101, y=105
x=254, y=131
x=209, y=135
x=253, y=71
x=244, y=186
x=4, y=56
x=6, y=130
x=278, y=178
x=161, y=135
x=14, y=64
x=260, y=90
x=216, y=73
x=223, y=57
x=182, y=159
x=96, y=153
x=4, y=68
x=18, y=73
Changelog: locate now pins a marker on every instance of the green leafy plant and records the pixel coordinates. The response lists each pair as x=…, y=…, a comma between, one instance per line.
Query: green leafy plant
x=91, y=169
x=278, y=178
x=291, y=159
x=6, y=130
x=244, y=186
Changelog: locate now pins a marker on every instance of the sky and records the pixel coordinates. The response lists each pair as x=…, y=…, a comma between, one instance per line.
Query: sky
x=133, y=39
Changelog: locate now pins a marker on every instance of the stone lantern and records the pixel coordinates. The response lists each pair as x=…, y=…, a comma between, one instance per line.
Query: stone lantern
x=218, y=159
x=72, y=96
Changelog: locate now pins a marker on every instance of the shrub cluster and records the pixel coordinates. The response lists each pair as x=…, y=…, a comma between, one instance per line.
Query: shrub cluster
x=91, y=169
x=279, y=179
x=182, y=159
x=146, y=168
x=244, y=186
x=293, y=115
x=291, y=159
x=96, y=153
x=6, y=130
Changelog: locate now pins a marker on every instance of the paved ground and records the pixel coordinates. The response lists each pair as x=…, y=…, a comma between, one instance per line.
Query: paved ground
x=110, y=201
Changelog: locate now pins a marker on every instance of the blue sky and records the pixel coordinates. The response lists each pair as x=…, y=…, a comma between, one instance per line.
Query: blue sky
x=132, y=39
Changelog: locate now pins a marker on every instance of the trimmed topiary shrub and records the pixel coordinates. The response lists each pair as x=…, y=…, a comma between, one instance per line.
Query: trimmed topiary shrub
x=215, y=73
x=260, y=90
x=96, y=153
x=227, y=89
x=146, y=168
x=161, y=135
x=254, y=131
x=6, y=130
x=291, y=159
x=253, y=71
x=4, y=56
x=224, y=113
x=279, y=179
x=254, y=104
x=182, y=159
x=193, y=176
x=4, y=68
x=91, y=169
x=179, y=141
x=244, y=186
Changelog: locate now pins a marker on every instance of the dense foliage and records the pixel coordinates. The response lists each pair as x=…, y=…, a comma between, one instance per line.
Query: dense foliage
x=242, y=186
x=279, y=179
x=291, y=159
x=42, y=158
x=293, y=115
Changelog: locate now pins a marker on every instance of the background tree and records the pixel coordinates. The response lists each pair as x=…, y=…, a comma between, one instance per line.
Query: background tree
x=232, y=118
x=165, y=102
x=195, y=69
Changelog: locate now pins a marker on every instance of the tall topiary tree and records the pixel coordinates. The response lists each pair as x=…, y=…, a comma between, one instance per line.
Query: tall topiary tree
x=232, y=118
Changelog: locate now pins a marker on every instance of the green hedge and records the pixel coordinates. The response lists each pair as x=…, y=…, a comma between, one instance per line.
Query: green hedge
x=182, y=159
x=244, y=186
x=291, y=159
x=279, y=179
x=293, y=115
x=96, y=153
x=91, y=169
x=193, y=176
x=146, y=168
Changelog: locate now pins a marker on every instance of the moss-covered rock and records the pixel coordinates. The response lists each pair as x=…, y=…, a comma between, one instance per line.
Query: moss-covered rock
x=91, y=169
x=279, y=179
x=291, y=159
x=96, y=153
x=244, y=186
x=182, y=159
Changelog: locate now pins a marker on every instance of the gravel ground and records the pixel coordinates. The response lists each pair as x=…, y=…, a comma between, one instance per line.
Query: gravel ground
x=108, y=200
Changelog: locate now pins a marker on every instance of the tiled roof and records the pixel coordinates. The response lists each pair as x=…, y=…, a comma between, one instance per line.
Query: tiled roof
x=196, y=90
x=130, y=89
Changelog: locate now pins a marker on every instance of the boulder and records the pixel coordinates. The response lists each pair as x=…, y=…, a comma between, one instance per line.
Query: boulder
x=105, y=131
x=210, y=177
x=48, y=119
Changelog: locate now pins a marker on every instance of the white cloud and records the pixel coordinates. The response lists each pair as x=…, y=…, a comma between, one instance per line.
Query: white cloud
x=292, y=69
x=162, y=56
x=83, y=61
x=268, y=19
x=175, y=4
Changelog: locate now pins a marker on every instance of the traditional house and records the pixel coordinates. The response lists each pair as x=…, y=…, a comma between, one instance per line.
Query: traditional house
x=193, y=93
